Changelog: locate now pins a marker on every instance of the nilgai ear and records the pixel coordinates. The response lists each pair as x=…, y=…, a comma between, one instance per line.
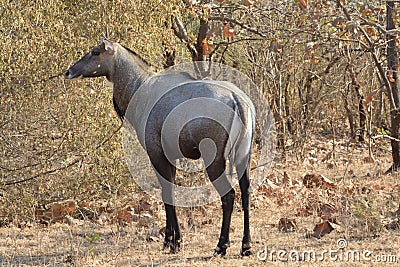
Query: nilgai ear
x=109, y=46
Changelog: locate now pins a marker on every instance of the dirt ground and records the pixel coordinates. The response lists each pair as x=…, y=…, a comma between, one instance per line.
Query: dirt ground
x=365, y=202
x=66, y=245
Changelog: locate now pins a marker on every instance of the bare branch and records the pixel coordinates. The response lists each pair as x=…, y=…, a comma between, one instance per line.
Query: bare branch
x=4, y=123
x=385, y=136
x=203, y=30
x=236, y=22
x=66, y=166
x=379, y=66
x=45, y=172
x=181, y=33
x=373, y=24
x=238, y=41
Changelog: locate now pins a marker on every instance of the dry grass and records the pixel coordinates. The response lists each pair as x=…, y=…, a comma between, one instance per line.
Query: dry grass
x=46, y=123
x=88, y=243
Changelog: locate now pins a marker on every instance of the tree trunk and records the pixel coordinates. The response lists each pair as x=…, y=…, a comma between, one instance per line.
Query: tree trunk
x=287, y=107
x=349, y=113
x=169, y=57
x=203, y=30
x=393, y=62
x=361, y=110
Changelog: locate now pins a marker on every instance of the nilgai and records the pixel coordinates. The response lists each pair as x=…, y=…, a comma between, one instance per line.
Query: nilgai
x=209, y=110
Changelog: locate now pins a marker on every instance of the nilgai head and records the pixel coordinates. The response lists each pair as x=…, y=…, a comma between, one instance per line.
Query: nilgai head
x=96, y=63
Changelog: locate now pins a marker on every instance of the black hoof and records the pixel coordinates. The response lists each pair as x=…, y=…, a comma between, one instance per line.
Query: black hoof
x=220, y=251
x=246, y=250
x=174, y=247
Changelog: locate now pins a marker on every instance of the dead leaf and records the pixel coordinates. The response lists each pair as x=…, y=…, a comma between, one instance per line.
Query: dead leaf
x=371, y=96
x=352, y=27
x=275, y=46
x=308, y=55
x=56, y=212
x=154, y=235
x=393, y=225
x=286, y=179
x=322, y=229
x=83, y=213
x=314, y=60
x=302, y=3
x=282, y=198
x=248, y=2
x=124, y=216
x=366, y=12
x=253, y=163
x=192, y=36
x=310, y=46
x=287, y=225
x=317, y=180
x=369, y=159
x=371, y=31
x=72, y=221
x=304, y=212
x=327, y=156
x=339, y=21
x=396, y=214
x=207, y=45
x=327, y=212
x=390, y=76
x=266, y=190
x=144, y=220
x=229, y=31
x=272, y=184
x=380, y=10
x=143, y=206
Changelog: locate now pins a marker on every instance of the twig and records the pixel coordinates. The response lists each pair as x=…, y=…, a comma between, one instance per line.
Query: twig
x=242, y=25
x=373, y=24
x=180, y=32
x=4, y=123
x=44, y=79
x=374, y=57
x=237, y=41
x=110, y=136
x=78, y=159
x=20, y=167
x=38, y=163
x=44, y=173
x=385, y=136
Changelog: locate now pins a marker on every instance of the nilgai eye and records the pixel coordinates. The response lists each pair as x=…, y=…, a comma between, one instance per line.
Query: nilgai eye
x=95, y=53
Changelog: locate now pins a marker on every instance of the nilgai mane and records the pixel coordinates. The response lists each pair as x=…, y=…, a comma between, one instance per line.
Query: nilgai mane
x=129, y=74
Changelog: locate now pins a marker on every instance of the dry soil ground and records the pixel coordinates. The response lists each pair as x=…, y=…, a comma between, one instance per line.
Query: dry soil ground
x=365, y=202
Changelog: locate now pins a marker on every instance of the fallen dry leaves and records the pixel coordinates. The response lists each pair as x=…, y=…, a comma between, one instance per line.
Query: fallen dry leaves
x=332, y=203
x=327, y=212
x=317, y=180
x=55, y=212
x=322, y=229
x=287, y=225
x=68, y=211
x=316, y=192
